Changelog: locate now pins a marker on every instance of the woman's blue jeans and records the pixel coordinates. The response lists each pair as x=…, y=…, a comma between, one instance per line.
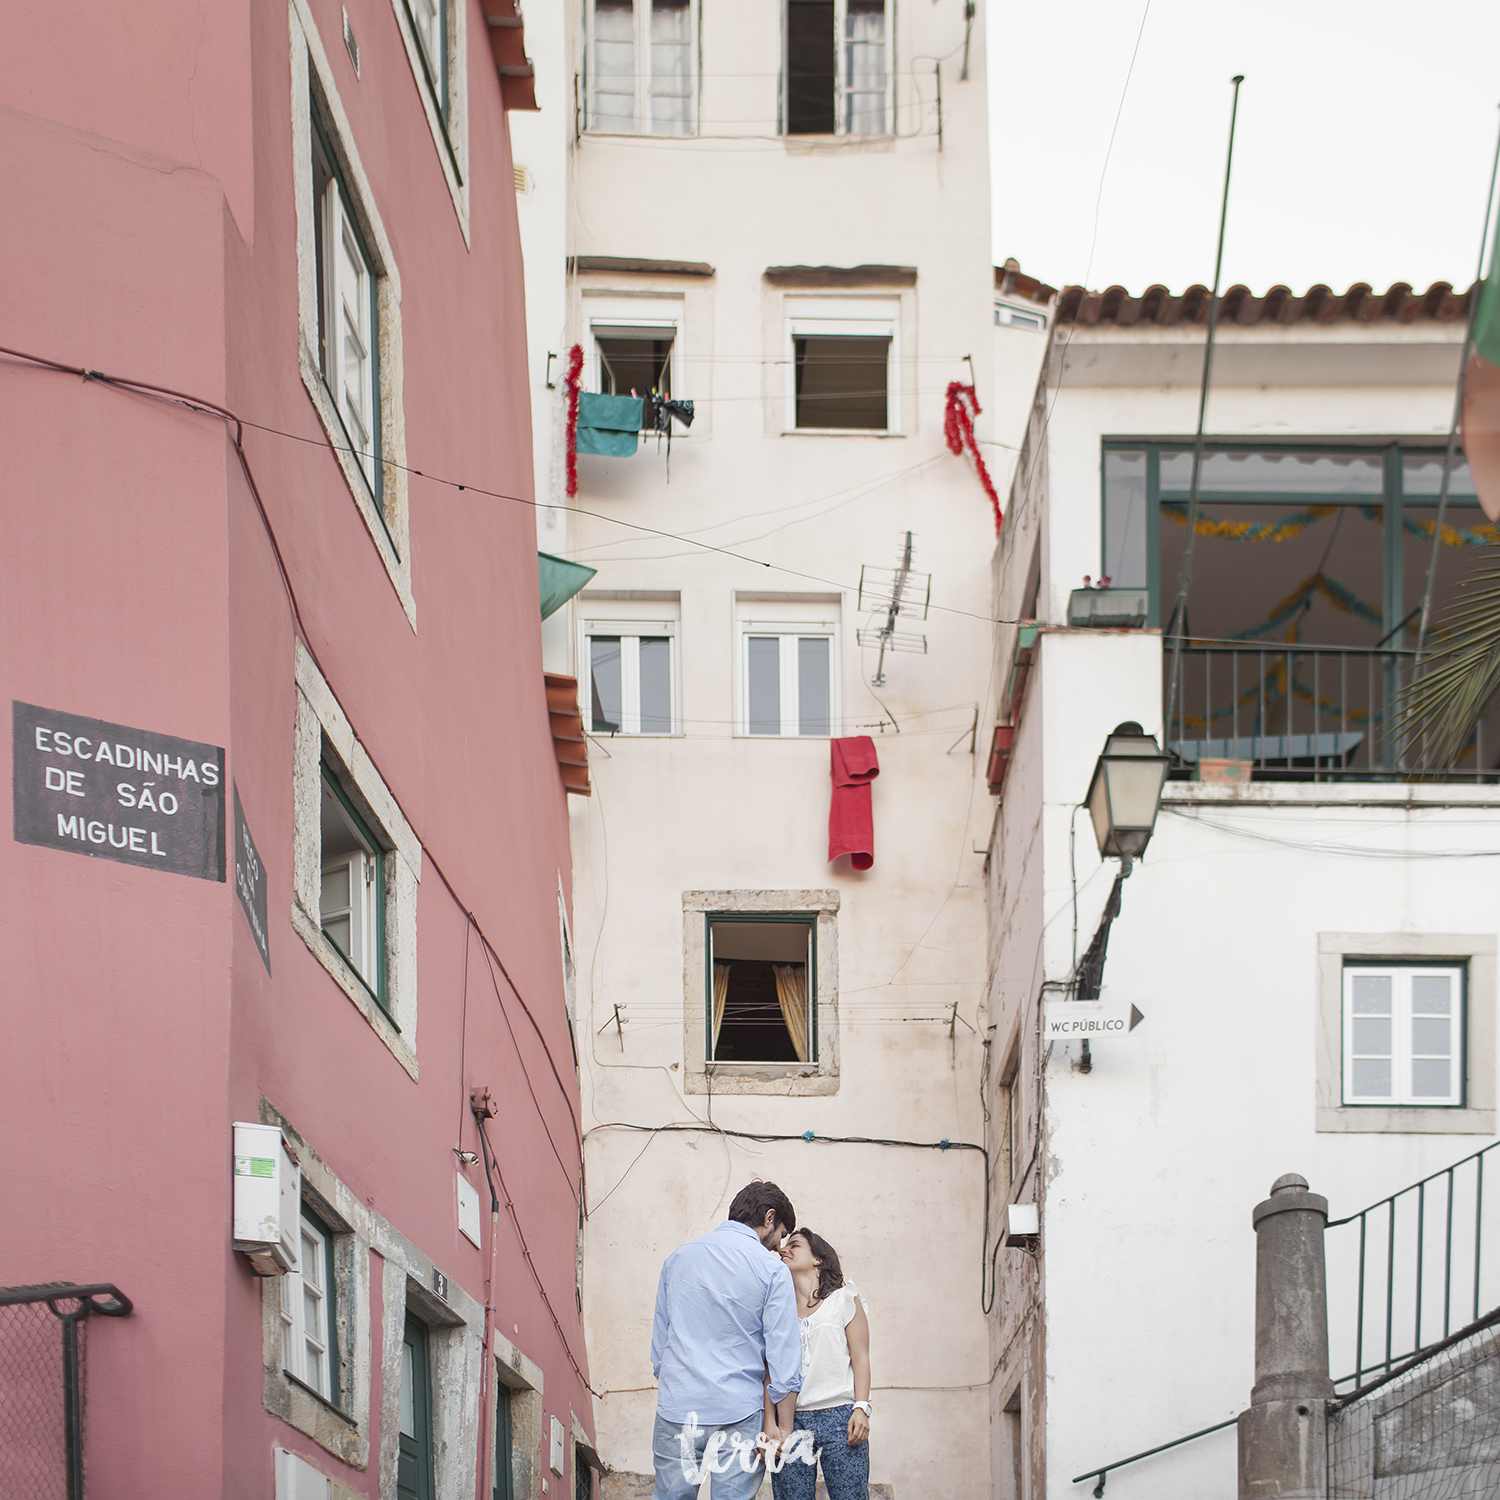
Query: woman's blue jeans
x=846, y=1470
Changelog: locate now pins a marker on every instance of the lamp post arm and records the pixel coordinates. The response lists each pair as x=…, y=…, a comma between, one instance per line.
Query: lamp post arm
x=1090, y=974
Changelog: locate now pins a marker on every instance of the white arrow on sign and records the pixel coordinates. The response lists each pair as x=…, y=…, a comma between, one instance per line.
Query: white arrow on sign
x=1088, y=1020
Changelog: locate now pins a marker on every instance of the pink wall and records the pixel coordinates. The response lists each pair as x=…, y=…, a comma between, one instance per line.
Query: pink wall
x=139, y=586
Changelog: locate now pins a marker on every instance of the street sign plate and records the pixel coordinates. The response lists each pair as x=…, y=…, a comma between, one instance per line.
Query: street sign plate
x=1088, y=1020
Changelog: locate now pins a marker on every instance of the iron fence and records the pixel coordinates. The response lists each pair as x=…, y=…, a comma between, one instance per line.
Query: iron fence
x=1301, y=713
x=1420, y=1265
x=43, y=1340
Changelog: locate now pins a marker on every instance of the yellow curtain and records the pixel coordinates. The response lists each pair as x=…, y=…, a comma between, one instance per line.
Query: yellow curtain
x=721, y=994
x=791, y=990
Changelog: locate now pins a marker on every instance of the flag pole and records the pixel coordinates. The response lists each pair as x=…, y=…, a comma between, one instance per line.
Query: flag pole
x=1458, y=407
x=1179, y=609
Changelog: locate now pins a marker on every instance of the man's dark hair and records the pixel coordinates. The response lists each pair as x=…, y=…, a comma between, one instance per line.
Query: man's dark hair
x=755, y=1198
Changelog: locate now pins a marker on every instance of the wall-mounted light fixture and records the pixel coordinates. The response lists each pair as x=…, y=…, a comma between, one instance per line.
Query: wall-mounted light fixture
x=1125, y=794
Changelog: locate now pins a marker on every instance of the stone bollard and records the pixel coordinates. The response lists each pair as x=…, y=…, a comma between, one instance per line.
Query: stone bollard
x=1284, y=1434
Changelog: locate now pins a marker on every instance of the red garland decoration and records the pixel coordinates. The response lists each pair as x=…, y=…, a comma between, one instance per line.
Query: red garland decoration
x=958, y=429
x=570, y=384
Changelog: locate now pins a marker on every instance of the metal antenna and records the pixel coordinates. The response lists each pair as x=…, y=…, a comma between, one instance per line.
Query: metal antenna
x=1179, y=610
x=896, y=592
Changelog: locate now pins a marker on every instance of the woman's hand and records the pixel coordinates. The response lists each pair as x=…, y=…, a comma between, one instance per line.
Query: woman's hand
x=859, y=1427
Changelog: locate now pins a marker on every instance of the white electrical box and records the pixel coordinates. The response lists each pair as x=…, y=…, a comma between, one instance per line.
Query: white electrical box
x=559, y=1449
x=296, y=1479
x=468, y=1209
x=1021, y=1222
x=267, y=1199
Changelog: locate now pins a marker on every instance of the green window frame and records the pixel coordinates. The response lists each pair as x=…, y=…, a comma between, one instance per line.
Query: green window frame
x=414, y=1472
x=505, y=1477
x=784, y=918
x=1391, y=499
x=378, y=855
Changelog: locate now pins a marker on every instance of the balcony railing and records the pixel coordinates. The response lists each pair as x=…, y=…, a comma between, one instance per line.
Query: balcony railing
x=42, y=1346
x=1301, y=713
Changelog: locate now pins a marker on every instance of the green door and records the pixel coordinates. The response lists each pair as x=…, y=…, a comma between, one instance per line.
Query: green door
x=505, y=1484
x=414, y=1461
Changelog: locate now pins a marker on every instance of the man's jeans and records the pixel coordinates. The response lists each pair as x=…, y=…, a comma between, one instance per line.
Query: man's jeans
x=681, y=1448
x=846, y=1470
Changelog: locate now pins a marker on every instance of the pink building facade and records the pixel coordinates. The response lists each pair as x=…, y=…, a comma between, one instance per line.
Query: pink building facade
x=289, y=841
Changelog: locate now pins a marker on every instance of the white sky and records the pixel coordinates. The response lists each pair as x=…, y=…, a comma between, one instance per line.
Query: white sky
x=1362, y=153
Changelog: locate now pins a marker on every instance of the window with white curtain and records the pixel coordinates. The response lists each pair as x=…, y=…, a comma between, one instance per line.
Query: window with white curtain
x=787, y=669
x=839, y=78
x=308, y=1348
x=643, y=73
x=1403, y=1034
x=632, y=672
x=348, y=315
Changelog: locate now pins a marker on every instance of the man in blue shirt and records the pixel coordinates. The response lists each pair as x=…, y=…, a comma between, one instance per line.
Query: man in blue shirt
x=726, y=1322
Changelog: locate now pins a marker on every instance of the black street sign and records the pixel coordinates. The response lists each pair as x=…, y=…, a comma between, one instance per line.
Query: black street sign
x=118, y=793
x=250, y=882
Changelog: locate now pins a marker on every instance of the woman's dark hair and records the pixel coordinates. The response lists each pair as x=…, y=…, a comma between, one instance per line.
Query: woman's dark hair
x=752, y=1201
x=830, y=1272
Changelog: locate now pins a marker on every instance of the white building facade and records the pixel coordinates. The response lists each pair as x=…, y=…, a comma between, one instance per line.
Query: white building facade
x=1313, y=948
x=779, y=211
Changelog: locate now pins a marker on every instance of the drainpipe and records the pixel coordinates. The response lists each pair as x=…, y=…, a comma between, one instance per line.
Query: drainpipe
x=483, y=1107
x=1284, y=1435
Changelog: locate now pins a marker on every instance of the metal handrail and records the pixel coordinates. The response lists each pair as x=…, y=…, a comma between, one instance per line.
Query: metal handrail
x=1102, y=1474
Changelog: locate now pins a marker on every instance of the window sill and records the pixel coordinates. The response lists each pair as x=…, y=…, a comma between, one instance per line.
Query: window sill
x=637, y=135
x=320, y=1398
x=1411, y=1119
x=784, y=1080
x=329, y=956
x=837, y=145
x=844, y=432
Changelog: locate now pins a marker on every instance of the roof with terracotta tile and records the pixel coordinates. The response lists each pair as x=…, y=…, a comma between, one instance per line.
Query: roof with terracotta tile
x=1440, y=303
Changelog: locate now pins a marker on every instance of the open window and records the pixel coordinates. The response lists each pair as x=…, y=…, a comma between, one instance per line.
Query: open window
x=842, y=362
x=762, y=1006
x=352, y=908
x=838, y=73
x=309, y=1327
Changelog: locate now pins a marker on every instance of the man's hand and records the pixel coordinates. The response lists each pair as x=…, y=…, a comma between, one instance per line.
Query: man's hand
x=859, y=1427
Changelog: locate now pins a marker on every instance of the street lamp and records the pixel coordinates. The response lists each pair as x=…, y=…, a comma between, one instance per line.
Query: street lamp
x=1126, y=792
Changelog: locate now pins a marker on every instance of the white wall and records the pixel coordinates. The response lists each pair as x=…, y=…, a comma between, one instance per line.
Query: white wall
x=710, y=810
x=1154, y=1159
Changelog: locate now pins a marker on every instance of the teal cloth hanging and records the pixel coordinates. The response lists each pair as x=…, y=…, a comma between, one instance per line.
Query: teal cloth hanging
x=608, y=424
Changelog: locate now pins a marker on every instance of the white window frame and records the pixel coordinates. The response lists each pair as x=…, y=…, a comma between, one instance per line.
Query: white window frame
x=1008, y=315
x=841, y=85
x=349, y=315
x=385, y=514
x=295, y=1335
x=450, y=136
x=1476, y=953
x=632, y=315
x=844, y=318
x=363, y=927
x=791, y=621
x=630, y=633
x=641, y=123
x=1402, y=1019
x=323, y=732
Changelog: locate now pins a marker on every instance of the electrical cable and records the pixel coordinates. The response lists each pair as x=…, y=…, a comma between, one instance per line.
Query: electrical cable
x=491, y=1160
x=209, y=408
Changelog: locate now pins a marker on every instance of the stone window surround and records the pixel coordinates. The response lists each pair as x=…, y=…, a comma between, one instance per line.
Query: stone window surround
x=457, y=1329
x=389, y=524
x=456, y=131
x=321, y=722
x=791, y=1079
x=1477, y=952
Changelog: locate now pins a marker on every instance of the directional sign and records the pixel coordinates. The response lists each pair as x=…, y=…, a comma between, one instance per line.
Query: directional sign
x=1088, y=1020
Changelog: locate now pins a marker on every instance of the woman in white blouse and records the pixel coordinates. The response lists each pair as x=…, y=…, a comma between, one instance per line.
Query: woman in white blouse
x=833, y=1406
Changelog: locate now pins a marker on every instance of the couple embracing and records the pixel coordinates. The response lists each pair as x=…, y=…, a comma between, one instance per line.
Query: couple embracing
x=762, y=1355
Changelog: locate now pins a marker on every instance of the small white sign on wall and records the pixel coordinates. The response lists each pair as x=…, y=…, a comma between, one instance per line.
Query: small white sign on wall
x=559, y=1457
x=1088, y=1020
x=468, y=1209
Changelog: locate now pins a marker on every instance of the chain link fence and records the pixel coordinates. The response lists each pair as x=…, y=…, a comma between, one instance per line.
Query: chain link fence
x=43, y=1339
x=1432, y=1432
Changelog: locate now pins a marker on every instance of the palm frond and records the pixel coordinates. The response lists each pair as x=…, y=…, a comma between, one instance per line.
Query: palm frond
x=1456, y=682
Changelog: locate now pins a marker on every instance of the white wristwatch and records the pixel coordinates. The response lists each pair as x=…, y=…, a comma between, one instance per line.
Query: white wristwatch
x=865, y=1407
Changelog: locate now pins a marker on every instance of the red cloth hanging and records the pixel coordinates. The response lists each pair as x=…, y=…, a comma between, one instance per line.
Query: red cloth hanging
x=851, y=825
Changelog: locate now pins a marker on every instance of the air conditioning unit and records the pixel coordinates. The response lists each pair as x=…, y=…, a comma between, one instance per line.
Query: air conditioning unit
x=267, y=1199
